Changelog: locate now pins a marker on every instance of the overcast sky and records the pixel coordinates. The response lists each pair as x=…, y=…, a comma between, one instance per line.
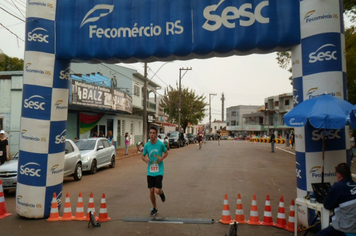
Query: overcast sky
x=245, y=80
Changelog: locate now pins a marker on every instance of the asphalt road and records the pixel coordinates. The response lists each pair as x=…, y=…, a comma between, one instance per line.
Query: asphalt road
x=195, y=183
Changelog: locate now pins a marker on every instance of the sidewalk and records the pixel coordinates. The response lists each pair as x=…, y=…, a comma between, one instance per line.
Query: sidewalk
x=120, y=152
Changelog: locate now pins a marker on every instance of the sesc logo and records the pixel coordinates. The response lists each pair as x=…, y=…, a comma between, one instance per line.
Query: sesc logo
x=33, y=103
x=100, y=7
x=61, y=138
x=36, y=35
x=30, y=169
x=298, y=171
x=65, y=74
x=331, y=134
x=245, y=13
x=326, y=52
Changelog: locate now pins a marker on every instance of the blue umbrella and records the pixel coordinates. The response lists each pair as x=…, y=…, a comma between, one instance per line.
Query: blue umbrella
x=353, y=117
x=323, y=112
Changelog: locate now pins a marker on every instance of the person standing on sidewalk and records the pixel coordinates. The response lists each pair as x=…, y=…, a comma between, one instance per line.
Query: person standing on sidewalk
x=156, y=152
x=352, y=148
x=273, y=140
x=4, y=148
x=287, y=138
x=292, y=138
x=127, y=143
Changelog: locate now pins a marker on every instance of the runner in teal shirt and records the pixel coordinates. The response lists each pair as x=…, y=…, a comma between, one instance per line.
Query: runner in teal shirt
x=156, y=151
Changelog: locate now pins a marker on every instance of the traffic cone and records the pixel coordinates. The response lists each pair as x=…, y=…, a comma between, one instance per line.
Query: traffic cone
x=267, y=215
x=281, y=217
x=79, y=213
x=3, y=212
x=290, y=226
x=226, y=217
x=54, y=215
x=91, y=207
x=254, y=220
x=103, y=213
x=239, y=214
x=67, y=212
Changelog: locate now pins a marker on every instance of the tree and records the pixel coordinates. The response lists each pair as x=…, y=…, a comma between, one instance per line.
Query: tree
x=192, y=106
x=10, y=63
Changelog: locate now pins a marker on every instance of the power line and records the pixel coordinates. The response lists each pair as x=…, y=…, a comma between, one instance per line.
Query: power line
x=17, y=8
x=12, y=32
x=11, y=14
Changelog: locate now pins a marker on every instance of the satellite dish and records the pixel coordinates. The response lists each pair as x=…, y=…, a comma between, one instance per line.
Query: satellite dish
x=2, y=56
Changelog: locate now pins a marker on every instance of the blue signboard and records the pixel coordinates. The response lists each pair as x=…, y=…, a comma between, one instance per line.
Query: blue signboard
x=134, y=30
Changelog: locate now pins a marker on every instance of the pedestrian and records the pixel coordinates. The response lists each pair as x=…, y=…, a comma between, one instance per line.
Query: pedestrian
x=75, y=139
x=4, y=148
x=341, y=198
x=272, y=140
x=127, y=143
x=287, y=138
x=292, y=138
x=139, y=146
x=156, y=152
x=219, y=136
x=200, y=138
x=352, y=148
x=101, y=134
x=110, y=137
x=95, y=134
x=181, y=137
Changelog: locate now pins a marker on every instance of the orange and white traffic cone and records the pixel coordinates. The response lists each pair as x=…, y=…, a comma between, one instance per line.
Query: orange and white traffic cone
x=79, y=212
x=67, y=212
x=291, y=219
x=254, y=220
x=239, y=214
x=226, y=217
x=91, y=207
x=281, y=217
x=103, y=212
x=3, y=212
x=54, y=215
x=267, y=216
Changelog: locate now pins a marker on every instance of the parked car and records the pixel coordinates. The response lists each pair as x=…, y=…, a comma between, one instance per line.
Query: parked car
x=96, y=153
x=174, y=139
x=72, y=166
x=192, y=138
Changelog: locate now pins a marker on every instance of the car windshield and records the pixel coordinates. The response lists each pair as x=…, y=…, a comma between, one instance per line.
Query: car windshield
x=86, y=144
x=173, y=134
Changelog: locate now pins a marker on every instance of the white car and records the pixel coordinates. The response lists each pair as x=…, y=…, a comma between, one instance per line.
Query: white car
x=96, y=153
x=72, y=166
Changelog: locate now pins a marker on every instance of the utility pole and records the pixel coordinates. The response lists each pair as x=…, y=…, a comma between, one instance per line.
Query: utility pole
x=210, y=94
x=222, y=107
x=180, y=92
x=145, y=106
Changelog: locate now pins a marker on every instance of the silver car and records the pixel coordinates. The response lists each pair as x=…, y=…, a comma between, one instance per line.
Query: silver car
x=96, y=153
x=72, y=166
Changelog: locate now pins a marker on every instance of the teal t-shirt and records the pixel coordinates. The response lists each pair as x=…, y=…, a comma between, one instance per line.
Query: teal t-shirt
x=153, y=150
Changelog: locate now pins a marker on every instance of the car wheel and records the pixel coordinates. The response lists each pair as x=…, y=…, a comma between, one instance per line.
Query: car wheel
x=78, y=172
x=94, y=167
x=112, y=165
x=178, y=145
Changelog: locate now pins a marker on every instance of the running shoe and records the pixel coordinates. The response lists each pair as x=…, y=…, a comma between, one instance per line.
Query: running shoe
x=163, y=197
x=154, y=212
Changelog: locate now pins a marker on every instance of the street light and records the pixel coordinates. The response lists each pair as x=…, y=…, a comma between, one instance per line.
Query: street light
x=180, y=91
x=210, y=94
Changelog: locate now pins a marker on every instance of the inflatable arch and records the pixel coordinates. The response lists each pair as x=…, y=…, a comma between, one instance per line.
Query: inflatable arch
x=58, y=32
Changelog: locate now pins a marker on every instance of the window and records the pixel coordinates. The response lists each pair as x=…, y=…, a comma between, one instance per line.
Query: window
x=276, y=103
x=68, y=148
x=286, y=102
x=233, y=113
x=227, y=123
x=106, y=143
x=136, y=90
x=233, y=123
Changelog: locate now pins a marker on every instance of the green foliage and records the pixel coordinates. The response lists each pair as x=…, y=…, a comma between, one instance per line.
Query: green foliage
x=192, y=106
x=350, y=46
x=11, y=64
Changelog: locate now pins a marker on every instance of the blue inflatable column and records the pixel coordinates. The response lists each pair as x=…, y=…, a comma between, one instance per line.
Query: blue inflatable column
x=319, y=67
x=44, y=115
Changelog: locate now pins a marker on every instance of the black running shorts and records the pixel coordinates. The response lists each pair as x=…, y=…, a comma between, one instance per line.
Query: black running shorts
x=154, y=181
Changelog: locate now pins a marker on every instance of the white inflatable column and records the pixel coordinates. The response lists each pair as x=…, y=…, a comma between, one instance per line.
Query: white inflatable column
x=318, y=68
x=44, y=114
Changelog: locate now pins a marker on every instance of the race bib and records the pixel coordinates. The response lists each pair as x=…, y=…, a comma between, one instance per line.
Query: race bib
x=154, y=167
